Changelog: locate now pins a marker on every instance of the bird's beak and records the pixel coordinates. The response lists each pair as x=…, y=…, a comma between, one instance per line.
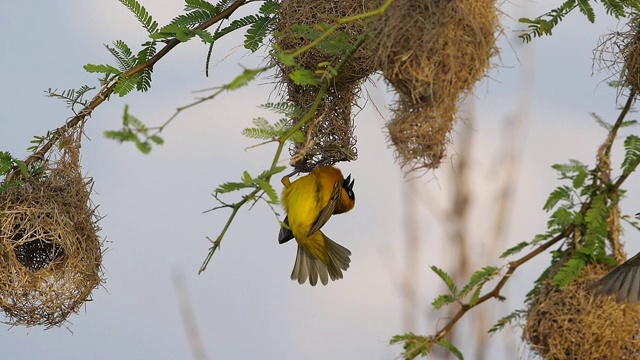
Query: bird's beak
x=638, y=216
x=349, y=183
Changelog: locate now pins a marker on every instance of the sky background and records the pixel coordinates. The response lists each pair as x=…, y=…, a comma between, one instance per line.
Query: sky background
x=246, y=306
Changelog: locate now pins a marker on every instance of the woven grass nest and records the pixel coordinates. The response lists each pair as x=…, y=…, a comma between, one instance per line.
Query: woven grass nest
x=293, y=13
x=619, y=53
x=329, y=136
x=433, y=52
x=573, y=323
x=50, y=253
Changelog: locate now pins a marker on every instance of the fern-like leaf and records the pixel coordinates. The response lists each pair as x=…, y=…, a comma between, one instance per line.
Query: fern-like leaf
x=449, y=346
x=561, y=193
x=202, y=5
x=586, y=8
x=235, y=25
x=192, y=18
x=141, y=13
x=510, y=319
x=632, y=154
x=451, y=285
x=123, y=55
x=570, y=271
x=256, y=33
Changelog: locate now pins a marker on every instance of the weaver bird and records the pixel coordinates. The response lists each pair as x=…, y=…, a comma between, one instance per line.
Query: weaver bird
x=309, y=202
x=623, y=281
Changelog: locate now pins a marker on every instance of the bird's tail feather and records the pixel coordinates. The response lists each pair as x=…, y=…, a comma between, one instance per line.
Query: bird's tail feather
x=308, y=266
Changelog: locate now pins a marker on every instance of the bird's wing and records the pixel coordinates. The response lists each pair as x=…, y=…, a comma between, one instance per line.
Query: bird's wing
x=285, y=233
x=327, y=211
x=623, y=281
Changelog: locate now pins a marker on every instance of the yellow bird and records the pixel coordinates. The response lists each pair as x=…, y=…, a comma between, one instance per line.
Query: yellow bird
x=309, y=202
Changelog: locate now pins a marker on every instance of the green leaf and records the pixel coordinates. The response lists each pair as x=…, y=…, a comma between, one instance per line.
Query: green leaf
x=143, y=146
x=247, y=76
x=632, y=154
x=587, y=10
x=101, y=68
x=508, y=320
x=478, y=279
x=141, y=13
x=156, y=139
x=256, y=33
x=447, y=279
x=193, y=5
x=449, y=346
x=304, y=77
x=230, y=186
x=268, y=173
x=123, y=55
x=414, y=345
x=514, y=249
x=268, y=189
x=561, y=193
x=442, y=300
x=125, y=85
x=206, y=36
x=570, y=271
x=286, y=59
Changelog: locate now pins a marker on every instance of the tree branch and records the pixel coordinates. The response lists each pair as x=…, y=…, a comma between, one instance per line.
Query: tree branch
x=107, y=89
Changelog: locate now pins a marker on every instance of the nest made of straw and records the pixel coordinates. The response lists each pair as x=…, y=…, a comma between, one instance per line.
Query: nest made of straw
x=50, y=253
x=573, y=323
x=288, y=36
x=619, y=53
x=329, y=136
x=420, y=135
x=433, y=52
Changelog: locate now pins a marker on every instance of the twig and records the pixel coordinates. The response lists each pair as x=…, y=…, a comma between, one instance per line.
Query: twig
x=107, y=89
x=605, y=150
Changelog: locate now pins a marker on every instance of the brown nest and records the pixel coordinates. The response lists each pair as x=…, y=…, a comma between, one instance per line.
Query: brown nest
x=432, y=52
x=573, y=323
x=421, y=135
x=329, y=136
x=314, y=14
x=619, y=53
x=50, y=253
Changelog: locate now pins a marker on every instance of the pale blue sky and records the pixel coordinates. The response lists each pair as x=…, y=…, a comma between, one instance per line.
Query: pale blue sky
x=246, y=306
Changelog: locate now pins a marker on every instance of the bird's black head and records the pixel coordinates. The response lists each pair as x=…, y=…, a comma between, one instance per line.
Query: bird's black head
x=348, y=186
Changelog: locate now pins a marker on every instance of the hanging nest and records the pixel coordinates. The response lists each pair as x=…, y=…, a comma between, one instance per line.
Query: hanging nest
x=420, y=135
x=50, y=253
x=295, y=15
x=433, y=52
x=573, y=323
x=619, y=54
x=329, y=134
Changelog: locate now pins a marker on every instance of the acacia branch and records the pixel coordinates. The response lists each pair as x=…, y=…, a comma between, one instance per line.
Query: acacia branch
x=604, y=155
x=107, y=89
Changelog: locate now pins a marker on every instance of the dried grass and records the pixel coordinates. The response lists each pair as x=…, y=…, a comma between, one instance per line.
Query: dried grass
x=420, y=135
x=329, y=136
x=619, y=54
x=432, y=52
x=573, y=323
x=50, y=253
x=314, y=13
